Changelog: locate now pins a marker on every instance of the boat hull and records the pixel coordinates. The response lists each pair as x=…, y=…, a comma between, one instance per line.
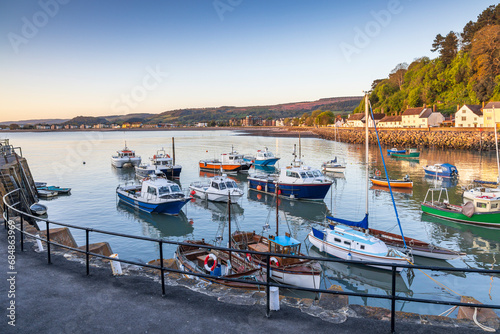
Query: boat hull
x=214, y=197
x=394, y=183
x=392, y=151
x=439, y=174
x=315, y=191
x=345, y=254
x=123, y=162
x=227, y=168
x=406, y=155
x=490, y=219
x=171, y=173
x=306, y=279
x=170, y=207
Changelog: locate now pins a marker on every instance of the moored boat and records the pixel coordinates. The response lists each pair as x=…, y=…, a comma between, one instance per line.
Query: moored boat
x=161, y=162
x=333, y=166
x=262, y=158
x=217, y=189
x=228, y=163
x=395, y=150
x=38, y=209
x=155, y=195
x=406, y=182
x=286, y=270
x=125, y=157
x=441, y=170
x=59, y=190
x=217, y=264
x=482, y=211
x=411, y=154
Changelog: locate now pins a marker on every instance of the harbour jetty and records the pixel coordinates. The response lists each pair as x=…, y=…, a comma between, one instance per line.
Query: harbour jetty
x=444, y=138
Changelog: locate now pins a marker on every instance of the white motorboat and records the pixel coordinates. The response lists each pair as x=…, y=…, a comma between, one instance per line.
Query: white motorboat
x=160, y=163
x=333, y=166
x=155, y=195
x=125, y=157
x=217, y=189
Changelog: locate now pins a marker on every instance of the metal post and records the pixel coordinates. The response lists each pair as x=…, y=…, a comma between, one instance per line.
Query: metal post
x=48, y=241
x=161, y=269
x=393, y=300
x=22, y=233
x=268, y=278
x=6, y=210
x=87, y=262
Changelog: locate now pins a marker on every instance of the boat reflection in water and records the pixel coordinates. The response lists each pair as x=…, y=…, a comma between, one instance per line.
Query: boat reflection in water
x=480, y=243
x=407, y=191
x=219, y=209
x=359, y=278
x=158, y=226
x=444, y=182
x=313, y=211
x=124, y=174
x=266, y=169
x=239, y=177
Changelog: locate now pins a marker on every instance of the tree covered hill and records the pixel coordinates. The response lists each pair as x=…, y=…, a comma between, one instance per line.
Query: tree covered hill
x=467, y=70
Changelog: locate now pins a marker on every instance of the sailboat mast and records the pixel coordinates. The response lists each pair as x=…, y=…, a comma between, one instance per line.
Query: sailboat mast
x=367, y=158
x=496, y=144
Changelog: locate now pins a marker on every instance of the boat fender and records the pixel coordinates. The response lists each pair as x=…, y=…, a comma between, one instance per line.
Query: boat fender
x=378, y=173
x=249, y=257
x=154, y=156
x=259, y=187
x=274, y=261
x=214, y=258
x=168, y=156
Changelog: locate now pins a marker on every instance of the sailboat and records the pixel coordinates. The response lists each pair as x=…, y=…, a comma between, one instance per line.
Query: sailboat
x=348, y=240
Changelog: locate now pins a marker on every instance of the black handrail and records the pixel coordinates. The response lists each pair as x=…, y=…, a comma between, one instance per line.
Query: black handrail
x=393, y=297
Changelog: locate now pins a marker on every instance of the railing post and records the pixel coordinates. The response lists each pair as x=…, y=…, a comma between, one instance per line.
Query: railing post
x=48, y=241
x=87, y=257
x=268, y=278
x=393, y=300
x=6, y=210
x=161, y=269
x=22, y=233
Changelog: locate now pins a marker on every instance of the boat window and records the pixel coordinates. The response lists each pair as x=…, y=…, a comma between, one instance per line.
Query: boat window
x=151, y=190
x=337, y=240
x=481, y=205
x=347, y=243
x=163, y=190
x=303, y=174
x=316, y=173
x=230, y=184
x=295, y=174
x=230, y=158
x=362, y=246
x=310, y=174
x=215, y=185
x=175, y=188
x=494, y=205
x=222, y=186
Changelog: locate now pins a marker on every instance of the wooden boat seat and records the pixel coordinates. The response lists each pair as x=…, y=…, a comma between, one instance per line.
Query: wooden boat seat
x=260, y=247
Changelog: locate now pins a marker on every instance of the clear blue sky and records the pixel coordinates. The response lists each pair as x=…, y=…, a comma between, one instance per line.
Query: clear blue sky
x=63, y=58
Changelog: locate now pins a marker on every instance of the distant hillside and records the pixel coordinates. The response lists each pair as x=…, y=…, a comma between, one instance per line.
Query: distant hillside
x=467, y=71
x=225, y=113
x=128, y=118
x=86, y=120
x=36, y=121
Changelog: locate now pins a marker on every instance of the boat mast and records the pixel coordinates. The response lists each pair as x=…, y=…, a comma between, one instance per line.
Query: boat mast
x=229, y=222
x=367, y=158
x=496, y=145
x=277, y=209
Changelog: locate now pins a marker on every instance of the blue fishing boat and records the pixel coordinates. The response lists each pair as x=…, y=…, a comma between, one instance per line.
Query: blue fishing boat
x=262, y=158
x=155, y=195
x=59, y=190
x=395, y=150
x=441, y=170
x=295, y=182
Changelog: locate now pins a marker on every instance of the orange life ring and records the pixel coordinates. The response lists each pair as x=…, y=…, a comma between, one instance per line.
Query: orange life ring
x=274, y=261
x=378, y=173
x=214, y=258
x=249, y=257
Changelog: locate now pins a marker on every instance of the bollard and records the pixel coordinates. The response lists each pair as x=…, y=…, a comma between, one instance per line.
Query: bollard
x=275, y=298
x=39, y=243
x=116, y=266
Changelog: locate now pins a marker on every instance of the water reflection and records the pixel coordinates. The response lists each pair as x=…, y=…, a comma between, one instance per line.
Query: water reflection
x=312, y=211
x=378, y=189
x=361, y=279
x=124, y=174
x=444, y=182
x=219, y=210
x=239, y=177
x=158, y=226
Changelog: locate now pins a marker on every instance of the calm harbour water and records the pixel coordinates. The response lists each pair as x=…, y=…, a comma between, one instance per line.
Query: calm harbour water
x=57, y=158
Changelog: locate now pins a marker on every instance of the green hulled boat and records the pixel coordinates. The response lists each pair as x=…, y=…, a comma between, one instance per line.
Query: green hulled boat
x=410, y=154
x=483, y=211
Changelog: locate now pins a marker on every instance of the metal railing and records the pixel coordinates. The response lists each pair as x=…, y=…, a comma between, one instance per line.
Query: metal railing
x=268, y=283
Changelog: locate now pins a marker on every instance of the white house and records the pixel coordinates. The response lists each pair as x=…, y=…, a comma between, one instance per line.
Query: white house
x=421, y=118
x=469, y=115
x=390, y=122
x=356, y=120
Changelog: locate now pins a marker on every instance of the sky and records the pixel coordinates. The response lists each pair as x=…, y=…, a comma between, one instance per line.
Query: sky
x=65, y=58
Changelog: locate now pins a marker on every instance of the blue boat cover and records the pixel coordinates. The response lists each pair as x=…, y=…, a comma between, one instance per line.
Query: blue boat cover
x=485, y=182
x=449, y=167
x=363, y=223
x=318, y=234
x=285, y=241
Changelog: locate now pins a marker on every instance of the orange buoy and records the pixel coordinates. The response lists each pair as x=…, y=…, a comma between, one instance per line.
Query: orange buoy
x=259, y=187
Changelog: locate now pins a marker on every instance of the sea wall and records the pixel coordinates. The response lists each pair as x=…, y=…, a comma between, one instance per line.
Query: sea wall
x=432, y=138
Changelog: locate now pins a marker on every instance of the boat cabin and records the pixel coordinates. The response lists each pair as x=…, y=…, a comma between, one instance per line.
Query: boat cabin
x=231, y=158
x=154, y=188
x=347, y=238
x=222, y=183
x=486, y=204
x=284, y=244
x=264, y=154
x=126, y=153
x=291, y=174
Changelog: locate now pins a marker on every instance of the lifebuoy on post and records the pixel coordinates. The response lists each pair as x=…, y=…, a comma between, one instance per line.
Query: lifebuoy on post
x=378, y=173
x=274, y=261
x=214, y=258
